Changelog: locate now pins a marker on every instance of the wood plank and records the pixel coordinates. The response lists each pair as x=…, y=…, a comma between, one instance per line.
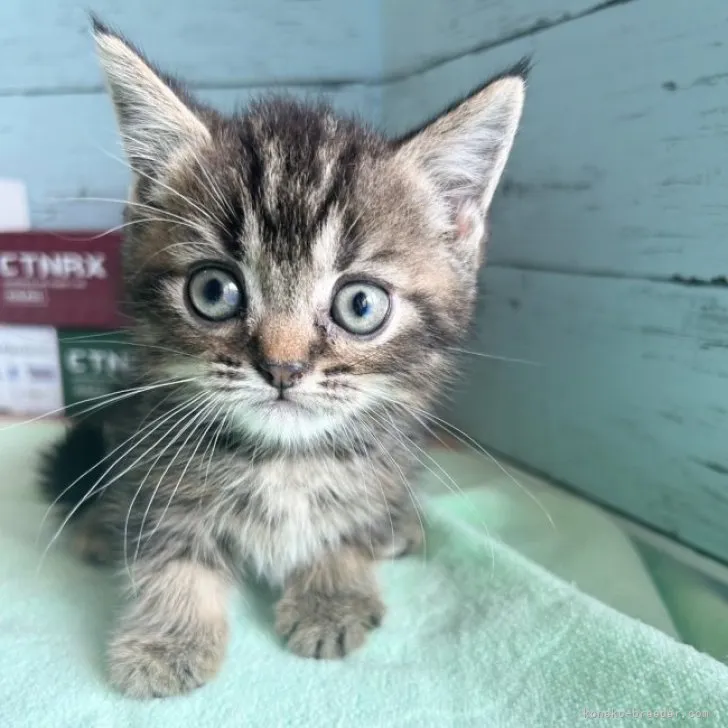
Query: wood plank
x=60, y=146
x=620, y=167
x=46, y=44
x=418, y=34
x=629, y=403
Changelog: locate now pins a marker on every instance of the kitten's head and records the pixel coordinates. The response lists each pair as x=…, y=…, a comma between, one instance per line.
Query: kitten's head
x=305, y=272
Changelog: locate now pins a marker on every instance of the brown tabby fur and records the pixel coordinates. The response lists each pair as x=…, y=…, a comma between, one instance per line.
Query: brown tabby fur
x=206, y=472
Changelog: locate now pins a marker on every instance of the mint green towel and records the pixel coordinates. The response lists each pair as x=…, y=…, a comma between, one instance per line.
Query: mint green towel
x=476, y=635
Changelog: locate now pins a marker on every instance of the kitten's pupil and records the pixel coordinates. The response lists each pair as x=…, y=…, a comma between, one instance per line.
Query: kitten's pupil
x=212, y=290
x=360, y=304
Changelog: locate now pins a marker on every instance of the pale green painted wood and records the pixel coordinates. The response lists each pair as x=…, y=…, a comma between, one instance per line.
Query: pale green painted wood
x=61, y=146
x=617, y=184
x=621, y=166
x=619, y=171
x=45, y=44
x=421, y=33
x=56, y=125
x=628, y=403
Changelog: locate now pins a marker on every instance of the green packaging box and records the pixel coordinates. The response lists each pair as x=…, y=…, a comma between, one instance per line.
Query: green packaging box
x=93, y=363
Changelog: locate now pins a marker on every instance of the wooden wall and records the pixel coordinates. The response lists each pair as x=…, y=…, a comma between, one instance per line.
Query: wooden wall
x=609, y=259
x=56, y=126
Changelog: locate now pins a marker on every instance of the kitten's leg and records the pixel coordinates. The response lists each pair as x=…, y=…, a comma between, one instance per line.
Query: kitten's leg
x=173, y=633
x=327, y=610
x=400, y=537
x=91, y=540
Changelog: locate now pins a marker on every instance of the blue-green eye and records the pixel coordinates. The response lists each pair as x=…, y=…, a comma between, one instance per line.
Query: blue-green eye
x=360, y=308
x=214, y=294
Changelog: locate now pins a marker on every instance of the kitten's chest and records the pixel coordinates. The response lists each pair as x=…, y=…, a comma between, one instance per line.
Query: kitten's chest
x=291, y=510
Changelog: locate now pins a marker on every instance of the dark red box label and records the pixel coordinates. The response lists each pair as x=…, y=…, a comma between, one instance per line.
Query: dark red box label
x=60, y=279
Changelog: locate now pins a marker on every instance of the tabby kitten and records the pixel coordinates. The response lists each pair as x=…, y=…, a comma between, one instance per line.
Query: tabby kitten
x=296, y=283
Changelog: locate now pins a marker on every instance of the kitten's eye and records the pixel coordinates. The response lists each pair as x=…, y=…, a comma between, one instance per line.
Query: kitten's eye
x=360, y=308
x=214, y=294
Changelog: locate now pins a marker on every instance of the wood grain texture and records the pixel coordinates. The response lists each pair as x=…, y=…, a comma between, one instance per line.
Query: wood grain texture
x=45, y=45
x=620, y=167
x=417, y=34
x=617, y=182
x=628, y=403
x=63, y=147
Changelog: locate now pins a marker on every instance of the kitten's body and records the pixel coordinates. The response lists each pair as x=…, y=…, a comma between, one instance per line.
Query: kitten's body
x=280, y=438
x=240, y=508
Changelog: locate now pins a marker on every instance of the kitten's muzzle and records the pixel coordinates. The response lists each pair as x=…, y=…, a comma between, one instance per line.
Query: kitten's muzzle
x=281, y=375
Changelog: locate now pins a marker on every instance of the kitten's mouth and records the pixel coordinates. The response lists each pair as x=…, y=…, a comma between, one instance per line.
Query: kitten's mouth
x=264, y=407
x=290, y=418
x=285, y=403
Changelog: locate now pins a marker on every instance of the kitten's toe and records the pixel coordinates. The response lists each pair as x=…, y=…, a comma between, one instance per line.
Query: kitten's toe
x=157, y=667
x=327, y=626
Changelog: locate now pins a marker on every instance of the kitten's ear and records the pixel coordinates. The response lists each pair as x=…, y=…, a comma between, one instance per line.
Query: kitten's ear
x=154, y=115
x=464, y=150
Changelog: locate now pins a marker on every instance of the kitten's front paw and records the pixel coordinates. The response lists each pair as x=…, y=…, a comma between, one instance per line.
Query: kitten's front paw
x=327, y=626
x=145, y=666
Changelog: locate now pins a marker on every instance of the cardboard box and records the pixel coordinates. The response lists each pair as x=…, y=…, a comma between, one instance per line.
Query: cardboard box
x=44, y=371
x=60, y=279
x=92, y=363
x=30, y=371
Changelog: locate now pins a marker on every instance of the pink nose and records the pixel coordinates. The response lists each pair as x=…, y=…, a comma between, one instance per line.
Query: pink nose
x=281, y=375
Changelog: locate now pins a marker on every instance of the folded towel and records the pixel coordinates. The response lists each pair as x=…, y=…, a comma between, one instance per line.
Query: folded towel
x=475, y=635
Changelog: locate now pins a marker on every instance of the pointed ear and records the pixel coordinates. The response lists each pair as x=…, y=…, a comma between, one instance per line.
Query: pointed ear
x=463, y=152
x=154, y=114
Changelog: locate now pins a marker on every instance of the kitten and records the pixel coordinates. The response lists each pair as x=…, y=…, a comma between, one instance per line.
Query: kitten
x=296, y=283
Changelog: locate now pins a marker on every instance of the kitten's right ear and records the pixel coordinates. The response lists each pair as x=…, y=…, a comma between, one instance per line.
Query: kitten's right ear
x=154, y=115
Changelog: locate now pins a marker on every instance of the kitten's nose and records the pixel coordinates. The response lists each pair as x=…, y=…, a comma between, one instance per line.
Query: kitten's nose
x=281, y=375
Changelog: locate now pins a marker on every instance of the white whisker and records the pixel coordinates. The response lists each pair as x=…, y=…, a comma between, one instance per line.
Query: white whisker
x=192, y=422
x=95, y=465
x=474, y=445
x=495, y=357
x=93, y=490
x=407, y=485
x=112, y=397
x=205, y=412
x=189, y=406
x=177, y=193
x=167, y=216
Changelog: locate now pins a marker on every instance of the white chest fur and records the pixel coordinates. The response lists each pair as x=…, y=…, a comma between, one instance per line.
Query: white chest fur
x=297, y=509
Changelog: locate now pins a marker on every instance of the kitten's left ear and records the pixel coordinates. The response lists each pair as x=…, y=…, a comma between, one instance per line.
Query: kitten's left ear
x=463, y=152
x=155, y=116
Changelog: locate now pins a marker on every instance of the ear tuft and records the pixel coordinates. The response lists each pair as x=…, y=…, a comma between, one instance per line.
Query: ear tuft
x=464, y=150
x=521, y=69
x=155, y=116
x=97, y=25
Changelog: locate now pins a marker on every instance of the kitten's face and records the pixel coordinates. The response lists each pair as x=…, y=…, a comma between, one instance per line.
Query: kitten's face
x=304, y=273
